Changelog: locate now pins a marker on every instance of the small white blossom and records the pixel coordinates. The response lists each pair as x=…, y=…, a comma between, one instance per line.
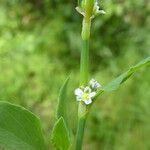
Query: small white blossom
x=84, y=95
x=78, y=91
x=96, y=9
x=94, y=84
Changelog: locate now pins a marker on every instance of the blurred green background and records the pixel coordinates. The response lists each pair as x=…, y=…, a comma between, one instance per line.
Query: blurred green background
x=40, y=46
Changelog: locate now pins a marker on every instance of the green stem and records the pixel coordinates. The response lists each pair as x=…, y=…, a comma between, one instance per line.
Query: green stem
x=84, y=63
x=84, y=75
x=82, y=109
x=80, y=133
x=82, y=116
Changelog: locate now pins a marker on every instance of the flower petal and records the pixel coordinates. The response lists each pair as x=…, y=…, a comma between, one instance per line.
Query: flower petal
x=78, y=92
x=92, y=94
x=97, y=85
x=88, y=101
x=87, y=89
x=91, y=82
x=101, y=12
x=94, y=84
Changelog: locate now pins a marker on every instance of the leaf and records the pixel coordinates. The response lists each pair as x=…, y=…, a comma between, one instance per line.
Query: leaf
x=62, y=101
x=19, y=129
x=60, y=135
x=115, y=84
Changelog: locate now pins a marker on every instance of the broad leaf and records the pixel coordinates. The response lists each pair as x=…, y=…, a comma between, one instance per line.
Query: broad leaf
x=19, y=129
x=60, y=135
x=114, y=85
x=62, y=101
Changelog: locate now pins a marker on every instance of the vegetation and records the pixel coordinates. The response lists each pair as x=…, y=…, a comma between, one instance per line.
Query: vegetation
x=40, y=45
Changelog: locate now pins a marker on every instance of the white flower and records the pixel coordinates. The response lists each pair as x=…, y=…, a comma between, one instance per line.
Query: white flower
x=96, y=9
x=94, y=84
x=84, y=95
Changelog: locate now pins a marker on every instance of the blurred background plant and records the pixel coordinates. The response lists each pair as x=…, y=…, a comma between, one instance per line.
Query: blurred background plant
x=40, y=46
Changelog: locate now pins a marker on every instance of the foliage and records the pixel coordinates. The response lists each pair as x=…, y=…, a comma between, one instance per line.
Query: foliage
x=19, y=129
x=39, y=47
x=115, y=84
x=60, y=135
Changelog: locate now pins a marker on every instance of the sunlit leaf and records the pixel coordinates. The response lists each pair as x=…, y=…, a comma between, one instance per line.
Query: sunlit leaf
x=62, y=101
x=19, y=129
x=60, y=135
x=115, y=84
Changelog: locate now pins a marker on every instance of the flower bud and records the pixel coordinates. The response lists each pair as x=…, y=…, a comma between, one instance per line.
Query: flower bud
x=88, y=6
x=89, y=9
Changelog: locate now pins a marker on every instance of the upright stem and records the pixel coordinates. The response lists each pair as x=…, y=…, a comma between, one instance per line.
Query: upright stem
x=82, y=116
x=89, y=9
x=80, y=133
x=82, y=109
x=84, y=63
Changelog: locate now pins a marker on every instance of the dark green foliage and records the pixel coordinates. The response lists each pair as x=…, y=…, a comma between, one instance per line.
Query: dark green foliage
x=19, y=129
x=60, y=135
x=63, y=101
x=115, y=84
x=40, y=45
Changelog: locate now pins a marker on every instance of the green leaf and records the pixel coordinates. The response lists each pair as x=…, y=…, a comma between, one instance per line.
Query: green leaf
x=115, y=84
x=19, y=129
x=60, y=135
x=62, y=101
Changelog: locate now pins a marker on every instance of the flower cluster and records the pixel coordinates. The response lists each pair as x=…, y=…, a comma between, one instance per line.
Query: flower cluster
x=94, y=11
x=86, y=94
